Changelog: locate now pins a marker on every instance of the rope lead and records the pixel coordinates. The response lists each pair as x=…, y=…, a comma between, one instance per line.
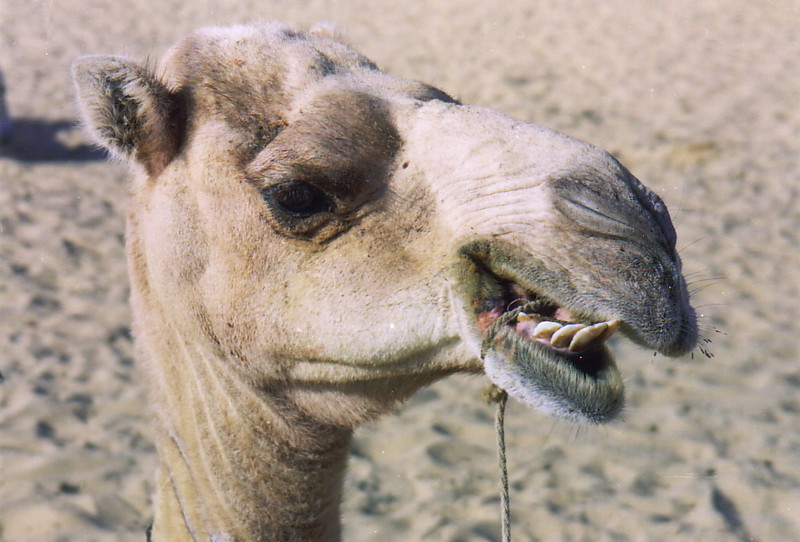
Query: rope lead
x=500, y=396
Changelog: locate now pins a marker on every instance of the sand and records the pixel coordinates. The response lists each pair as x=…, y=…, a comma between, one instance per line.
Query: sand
x=700, y=100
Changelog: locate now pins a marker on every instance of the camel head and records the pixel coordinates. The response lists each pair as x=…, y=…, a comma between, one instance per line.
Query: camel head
x=311, y=240
x=338, y=233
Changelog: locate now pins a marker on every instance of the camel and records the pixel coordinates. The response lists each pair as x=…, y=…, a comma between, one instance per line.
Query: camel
x=311, y=240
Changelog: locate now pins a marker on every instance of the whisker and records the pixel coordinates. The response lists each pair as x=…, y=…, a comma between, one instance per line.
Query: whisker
x=690, y=243
x=698, y=289
x=706, y=305
x=707, y=279
x=701, y=287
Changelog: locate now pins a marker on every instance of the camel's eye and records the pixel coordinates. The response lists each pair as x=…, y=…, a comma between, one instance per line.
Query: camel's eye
x=300, y=199
x=302, y=209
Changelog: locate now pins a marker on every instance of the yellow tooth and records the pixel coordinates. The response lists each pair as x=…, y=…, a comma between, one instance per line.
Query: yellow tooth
x=522, y=317
x=545, y=330
x=586, y=336
x=563, y=336
x=613, y=326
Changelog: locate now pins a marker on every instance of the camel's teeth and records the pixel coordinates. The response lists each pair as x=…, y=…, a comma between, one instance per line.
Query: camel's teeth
x=613, y=326
x=522, y=317
x=587, y=336
x=563, y=336
x=545, y=330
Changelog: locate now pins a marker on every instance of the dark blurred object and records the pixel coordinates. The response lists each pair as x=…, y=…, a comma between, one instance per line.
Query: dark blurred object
x=42, y=140
x=5, y=118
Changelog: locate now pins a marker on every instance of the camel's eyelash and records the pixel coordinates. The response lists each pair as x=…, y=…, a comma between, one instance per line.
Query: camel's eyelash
x=299, y=199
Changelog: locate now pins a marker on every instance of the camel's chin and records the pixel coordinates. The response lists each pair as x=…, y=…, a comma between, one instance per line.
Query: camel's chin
x=579, y=386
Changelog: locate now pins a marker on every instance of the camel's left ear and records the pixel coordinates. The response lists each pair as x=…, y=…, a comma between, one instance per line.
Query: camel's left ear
x=129, y=111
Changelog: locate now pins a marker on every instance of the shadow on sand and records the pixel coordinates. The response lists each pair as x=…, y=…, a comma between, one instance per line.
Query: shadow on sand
x=36, y=140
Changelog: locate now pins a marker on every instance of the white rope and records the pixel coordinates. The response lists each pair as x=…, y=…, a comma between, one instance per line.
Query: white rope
x=493, y=394
x=505, y=502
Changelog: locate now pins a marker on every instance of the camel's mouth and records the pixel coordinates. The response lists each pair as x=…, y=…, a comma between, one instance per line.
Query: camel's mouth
x=545, y=355
x=536, y=320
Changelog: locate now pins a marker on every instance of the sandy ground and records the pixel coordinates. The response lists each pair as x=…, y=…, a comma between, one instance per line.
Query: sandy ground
x=700, y=99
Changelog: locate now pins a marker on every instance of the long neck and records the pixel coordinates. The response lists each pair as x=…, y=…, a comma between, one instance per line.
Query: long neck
x=239, y=463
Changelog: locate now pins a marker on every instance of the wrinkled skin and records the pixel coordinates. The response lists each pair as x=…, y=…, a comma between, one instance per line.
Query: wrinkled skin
x=311, y=240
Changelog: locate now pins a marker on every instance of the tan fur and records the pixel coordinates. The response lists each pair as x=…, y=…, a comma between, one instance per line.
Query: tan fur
x=311, y=240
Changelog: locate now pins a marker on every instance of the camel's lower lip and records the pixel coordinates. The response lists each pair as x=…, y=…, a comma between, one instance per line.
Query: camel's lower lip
x=561, y=367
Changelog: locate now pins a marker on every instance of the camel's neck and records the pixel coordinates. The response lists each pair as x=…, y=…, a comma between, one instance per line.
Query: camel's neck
x=239, y=463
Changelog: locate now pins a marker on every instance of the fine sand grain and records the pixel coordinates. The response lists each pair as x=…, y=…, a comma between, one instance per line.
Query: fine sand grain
x=701, y=99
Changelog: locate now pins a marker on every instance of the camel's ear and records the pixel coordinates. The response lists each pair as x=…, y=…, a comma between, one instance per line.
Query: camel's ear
x=129, y=111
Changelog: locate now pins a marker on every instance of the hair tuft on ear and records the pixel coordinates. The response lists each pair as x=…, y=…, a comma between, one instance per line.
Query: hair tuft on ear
x=128, y=111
